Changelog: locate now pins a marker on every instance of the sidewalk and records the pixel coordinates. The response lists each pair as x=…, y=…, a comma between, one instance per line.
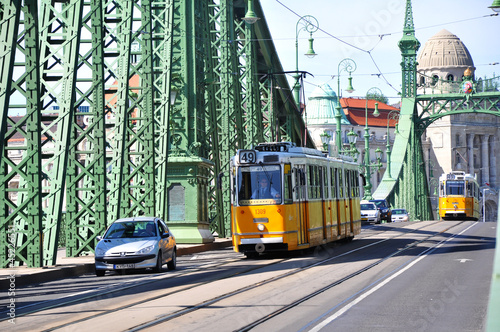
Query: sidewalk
x=73, y=266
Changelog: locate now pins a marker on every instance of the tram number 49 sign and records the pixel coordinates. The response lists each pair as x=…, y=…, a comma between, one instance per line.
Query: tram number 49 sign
x=247, y=156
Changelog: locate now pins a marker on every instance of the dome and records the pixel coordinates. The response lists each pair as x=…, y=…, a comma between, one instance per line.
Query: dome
x=444, y=49
x=322, y=106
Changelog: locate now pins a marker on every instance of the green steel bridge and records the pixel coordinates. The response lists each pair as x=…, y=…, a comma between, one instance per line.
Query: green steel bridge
x=114, y=108
x=120, y=108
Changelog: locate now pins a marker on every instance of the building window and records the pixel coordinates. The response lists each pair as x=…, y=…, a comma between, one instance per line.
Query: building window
x=457, y=140
x=435, y=79
x=450, y=78
x=422, y=80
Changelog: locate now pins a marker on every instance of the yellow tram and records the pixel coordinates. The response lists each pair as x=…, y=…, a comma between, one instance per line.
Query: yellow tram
x=458, y=196
x=285, y=197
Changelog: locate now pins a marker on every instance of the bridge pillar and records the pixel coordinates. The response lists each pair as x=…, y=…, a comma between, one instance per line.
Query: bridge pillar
x=187, y=205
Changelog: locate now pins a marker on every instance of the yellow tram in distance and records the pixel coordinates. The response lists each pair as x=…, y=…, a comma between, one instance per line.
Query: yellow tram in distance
x=285, y=197
x=458, y=196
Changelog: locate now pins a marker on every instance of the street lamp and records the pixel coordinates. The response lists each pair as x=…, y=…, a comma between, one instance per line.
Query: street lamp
x=378, y=153
x=495, y=6
x=351, y=139
x=325, y=138
x=347, y=65
x=392, y=116
x=309, y=24
x=250, y=16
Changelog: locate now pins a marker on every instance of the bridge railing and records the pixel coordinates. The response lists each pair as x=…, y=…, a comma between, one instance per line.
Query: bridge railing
x=493, y=319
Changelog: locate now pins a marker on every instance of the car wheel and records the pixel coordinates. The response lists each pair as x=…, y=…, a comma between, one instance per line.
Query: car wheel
x=158, y=267
x=100, y=273
x=173, y=263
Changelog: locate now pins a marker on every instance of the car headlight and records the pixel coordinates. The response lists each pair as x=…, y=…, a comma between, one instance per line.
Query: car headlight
x=145, y=250
x=100, y=252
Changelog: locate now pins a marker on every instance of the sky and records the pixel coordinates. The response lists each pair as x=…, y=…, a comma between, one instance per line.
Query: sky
x=368, y=32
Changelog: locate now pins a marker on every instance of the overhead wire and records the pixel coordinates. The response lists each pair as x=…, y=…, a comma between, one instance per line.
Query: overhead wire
x=380, y=74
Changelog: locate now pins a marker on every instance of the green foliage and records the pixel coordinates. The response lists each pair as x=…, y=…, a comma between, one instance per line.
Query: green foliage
x=378, y=97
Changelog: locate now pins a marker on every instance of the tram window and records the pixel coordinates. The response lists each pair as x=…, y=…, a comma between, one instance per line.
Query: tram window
x=259, y=185
x=300, y=182
x=314, y=182
x=469, y=190
x=287, y=195
x=233, y=185
x=340, y=184
x=325, y=181
x=455, y=187
x=333, y=189
x=348, y=182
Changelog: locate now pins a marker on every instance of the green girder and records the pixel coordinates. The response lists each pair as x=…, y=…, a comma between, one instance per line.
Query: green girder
x=117, y=157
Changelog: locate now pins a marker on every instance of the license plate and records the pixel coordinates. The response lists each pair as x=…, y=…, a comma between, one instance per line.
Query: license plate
x=124, y=266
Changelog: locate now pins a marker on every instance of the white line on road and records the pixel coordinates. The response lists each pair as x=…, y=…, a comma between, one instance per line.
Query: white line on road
x=402, y=268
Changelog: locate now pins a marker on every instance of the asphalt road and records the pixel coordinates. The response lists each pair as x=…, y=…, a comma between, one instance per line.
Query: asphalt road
x=419, y=276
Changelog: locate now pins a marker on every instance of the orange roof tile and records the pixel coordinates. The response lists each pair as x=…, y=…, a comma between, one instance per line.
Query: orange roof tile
x=354, y=109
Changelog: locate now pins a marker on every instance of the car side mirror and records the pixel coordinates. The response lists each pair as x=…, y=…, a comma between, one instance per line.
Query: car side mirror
x=165, y=235
x=98, y=238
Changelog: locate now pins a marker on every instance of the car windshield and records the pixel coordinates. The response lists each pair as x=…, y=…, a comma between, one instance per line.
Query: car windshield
x=368, y=207
x=399, y=211
x=131, y=229
x=379, y=203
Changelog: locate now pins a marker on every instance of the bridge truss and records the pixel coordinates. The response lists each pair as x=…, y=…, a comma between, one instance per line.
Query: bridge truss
x=407, y=184
x=98, y=97
x=107, y=105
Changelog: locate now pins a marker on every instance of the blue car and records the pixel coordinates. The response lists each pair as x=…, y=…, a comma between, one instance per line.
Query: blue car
x=136, y=243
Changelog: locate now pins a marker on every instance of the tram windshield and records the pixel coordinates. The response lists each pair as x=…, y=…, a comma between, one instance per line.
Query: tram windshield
x=455, y=187
x=258, y=185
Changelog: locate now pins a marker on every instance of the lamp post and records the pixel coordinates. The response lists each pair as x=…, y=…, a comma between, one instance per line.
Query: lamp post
x=392, y=116
x=347, y=65
x=351, y=138
x=495, y=6
x=309, y=24
x=325, y=138
x=378, y=153
x=250, y=16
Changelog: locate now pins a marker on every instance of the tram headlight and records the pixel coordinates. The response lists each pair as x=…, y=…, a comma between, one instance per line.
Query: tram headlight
x=261, y=227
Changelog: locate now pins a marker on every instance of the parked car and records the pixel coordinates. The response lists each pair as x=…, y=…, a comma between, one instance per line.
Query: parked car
x=384, y=207
x=370, y=213
x=136, y=243
x=400, y=215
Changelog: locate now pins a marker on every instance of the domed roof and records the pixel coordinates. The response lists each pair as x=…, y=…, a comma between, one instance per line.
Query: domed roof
x=444, y=49
x=322, y=106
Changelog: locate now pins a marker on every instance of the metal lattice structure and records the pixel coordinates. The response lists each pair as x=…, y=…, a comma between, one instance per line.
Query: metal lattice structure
x=120, y=108
x=108, y=105
x=407, y=185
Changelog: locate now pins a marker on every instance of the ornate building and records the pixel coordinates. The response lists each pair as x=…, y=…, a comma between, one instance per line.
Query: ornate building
x=466, y=142
x=320, y=119
x=460, y=142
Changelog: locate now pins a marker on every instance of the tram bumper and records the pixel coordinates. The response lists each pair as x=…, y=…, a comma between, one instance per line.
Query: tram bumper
x=261, y=245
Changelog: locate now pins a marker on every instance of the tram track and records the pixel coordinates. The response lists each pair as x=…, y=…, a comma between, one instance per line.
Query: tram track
x=169, y=317
x=254, y=269
x=110, y=289
x=350, y=276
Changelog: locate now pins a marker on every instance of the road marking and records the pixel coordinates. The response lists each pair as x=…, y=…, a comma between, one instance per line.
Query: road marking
x=378, y=286
x=463, y=260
